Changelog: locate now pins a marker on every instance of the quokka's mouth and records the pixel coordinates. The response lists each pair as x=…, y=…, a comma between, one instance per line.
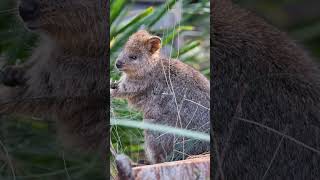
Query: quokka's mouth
x=120, y=69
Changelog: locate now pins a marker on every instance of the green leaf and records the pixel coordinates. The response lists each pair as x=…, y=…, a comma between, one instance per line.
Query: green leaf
x=161, y=11
x=117, y=42
x=206, y=72
x=115, y=25
x=116, y=7
x=174, y=33
x=307, y=32
x=161, y=128
x=186, y=48
x=135, y=20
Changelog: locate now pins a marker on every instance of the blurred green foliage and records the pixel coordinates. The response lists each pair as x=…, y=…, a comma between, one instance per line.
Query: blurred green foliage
x=300, y=18
x=15, y=41
x=28, y=146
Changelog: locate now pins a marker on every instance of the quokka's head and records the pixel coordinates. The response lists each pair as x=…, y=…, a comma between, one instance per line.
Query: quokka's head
x=140, y=54
x=64, y=18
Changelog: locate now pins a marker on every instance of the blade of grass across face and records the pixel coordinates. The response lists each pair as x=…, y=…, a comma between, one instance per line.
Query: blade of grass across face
x=161, y=128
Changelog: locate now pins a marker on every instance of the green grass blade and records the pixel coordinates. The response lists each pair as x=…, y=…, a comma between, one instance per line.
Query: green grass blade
x=174, y=33
x=117, y=42
x=135, y=20
x=206, y=72
x=186, y=48
x=120, y=18
x=116, y=7
x=161, y=11
x=161, y=128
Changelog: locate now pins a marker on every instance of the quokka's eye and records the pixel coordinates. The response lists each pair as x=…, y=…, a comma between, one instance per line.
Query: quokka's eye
x=133, y=57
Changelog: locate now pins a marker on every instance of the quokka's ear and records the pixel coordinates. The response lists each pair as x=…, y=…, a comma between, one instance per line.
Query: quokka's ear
x=154, y=44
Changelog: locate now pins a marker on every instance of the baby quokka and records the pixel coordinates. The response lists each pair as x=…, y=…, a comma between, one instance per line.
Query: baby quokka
x=168, y=92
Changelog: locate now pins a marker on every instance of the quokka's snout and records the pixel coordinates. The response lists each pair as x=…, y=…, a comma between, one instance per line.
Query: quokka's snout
x=119, y=64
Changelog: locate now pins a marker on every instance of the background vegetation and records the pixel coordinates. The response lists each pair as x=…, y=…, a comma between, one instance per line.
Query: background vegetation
x=300, y=18
x=28, y=146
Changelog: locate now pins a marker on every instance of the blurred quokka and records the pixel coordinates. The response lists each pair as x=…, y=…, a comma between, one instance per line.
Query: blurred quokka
x=265, y=99
x=66, y=76
x=168, y=92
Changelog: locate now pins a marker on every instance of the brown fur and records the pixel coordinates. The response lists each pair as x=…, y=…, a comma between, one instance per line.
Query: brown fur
x=157, y=86
x=66, y=76
x=261, y=79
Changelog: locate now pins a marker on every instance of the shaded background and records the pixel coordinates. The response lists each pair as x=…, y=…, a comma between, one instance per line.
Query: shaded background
x=300, y=18
x=29, y=149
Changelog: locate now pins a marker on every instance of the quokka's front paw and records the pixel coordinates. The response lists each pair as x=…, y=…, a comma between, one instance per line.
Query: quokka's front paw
x=113, y=84
x=12, y=76
x=124, y=167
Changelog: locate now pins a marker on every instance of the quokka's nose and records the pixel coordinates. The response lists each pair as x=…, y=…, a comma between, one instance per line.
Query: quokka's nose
x=29, y=9
x=119, y=64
